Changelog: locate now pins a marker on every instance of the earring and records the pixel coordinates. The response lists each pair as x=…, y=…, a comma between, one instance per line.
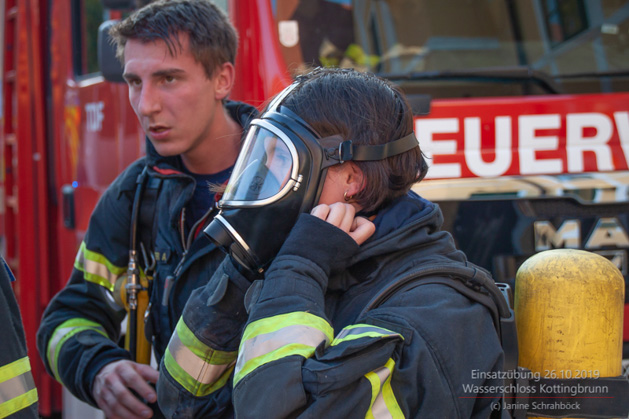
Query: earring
x=347, y=198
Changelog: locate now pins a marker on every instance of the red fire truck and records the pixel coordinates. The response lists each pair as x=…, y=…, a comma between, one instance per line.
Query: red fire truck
x=522, y=108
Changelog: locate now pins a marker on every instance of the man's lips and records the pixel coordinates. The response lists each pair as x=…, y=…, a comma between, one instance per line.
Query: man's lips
x=158, y=130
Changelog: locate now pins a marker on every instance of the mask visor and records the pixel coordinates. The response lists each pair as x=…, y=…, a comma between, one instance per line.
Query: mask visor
x=265, y=170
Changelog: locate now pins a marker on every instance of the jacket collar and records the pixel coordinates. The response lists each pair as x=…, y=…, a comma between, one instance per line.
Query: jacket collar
x=408, y=233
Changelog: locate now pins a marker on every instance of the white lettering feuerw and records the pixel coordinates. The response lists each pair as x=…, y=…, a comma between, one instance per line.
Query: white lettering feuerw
x=502, y=146
x=529, y=137
x=531, y=142
x=424, y=130
x=622, y=125
x=577, y=143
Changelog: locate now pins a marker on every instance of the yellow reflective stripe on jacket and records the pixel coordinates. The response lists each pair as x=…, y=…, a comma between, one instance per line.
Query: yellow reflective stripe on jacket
x=97, y=269
x=280, y=336
x=198, y=368
x=383, y=402
x=17, y=388
x=358, y=331
x=62, y=333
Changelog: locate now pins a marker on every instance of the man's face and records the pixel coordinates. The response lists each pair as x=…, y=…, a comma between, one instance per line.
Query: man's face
x=171, y=95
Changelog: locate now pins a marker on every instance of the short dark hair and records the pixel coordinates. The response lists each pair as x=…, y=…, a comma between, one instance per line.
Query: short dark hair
x=213, y=39
x=366, y=109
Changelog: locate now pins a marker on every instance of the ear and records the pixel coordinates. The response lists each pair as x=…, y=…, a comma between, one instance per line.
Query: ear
x=353, y=178
x=223, y=80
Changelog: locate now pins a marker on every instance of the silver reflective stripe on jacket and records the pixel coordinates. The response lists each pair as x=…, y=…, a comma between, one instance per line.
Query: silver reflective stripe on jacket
x=17, y=387
x=358, y=331
x=62, y=333
x=276, y=337
x=383, y=402
x=197, y=367
x=97, y=268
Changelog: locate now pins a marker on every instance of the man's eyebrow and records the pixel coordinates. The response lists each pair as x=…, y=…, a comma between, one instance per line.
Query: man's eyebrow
x=158, y=73
x=168, y=72
x=129, y=76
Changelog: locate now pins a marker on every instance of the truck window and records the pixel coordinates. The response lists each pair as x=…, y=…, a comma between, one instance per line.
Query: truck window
x=87, y=17
x=583, y=46
x=564, y=19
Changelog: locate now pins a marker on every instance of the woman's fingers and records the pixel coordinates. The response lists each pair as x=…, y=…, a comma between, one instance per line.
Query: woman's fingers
x=338, y=214
x=321, y=211
x=343, y=216
x=361, y=230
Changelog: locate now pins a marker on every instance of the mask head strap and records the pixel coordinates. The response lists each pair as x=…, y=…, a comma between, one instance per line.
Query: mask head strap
x=338, y=151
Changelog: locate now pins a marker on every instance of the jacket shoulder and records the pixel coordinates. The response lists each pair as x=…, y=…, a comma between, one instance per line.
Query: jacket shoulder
x=126, y=180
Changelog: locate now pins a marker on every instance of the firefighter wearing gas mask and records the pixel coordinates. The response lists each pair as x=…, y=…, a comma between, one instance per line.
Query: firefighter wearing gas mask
x=280, y=174
x=313, y=312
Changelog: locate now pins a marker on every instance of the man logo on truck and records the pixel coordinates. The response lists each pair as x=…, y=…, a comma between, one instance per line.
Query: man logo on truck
x=607, y=232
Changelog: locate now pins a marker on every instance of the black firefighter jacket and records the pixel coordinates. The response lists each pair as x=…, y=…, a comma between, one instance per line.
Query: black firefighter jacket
x=306, y=342
x=81, y=326
x=18, y=395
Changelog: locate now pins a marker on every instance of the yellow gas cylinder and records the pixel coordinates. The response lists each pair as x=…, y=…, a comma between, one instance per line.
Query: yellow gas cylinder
x=143, y=355
x=569, y=313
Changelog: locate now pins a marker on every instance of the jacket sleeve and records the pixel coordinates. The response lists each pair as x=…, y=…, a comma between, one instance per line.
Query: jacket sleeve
x=386, y=365
x=18, y=395
x=197, y=369
x=80, y=328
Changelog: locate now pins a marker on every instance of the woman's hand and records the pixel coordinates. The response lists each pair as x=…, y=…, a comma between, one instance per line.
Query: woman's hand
x=343, y=216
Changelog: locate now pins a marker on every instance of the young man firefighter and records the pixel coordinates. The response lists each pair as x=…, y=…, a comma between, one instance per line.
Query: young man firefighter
x=178, y=59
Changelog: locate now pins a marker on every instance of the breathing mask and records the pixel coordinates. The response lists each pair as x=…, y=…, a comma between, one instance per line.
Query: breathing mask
x=278, y=175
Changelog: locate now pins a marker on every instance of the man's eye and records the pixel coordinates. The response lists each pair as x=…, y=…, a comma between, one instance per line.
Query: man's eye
x=133, y=82
x=169, y=79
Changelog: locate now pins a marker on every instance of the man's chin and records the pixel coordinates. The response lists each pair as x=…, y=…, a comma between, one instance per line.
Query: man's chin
x=165, y=150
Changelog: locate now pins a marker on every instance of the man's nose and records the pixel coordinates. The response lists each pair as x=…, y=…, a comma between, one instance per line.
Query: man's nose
x=149, y=101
